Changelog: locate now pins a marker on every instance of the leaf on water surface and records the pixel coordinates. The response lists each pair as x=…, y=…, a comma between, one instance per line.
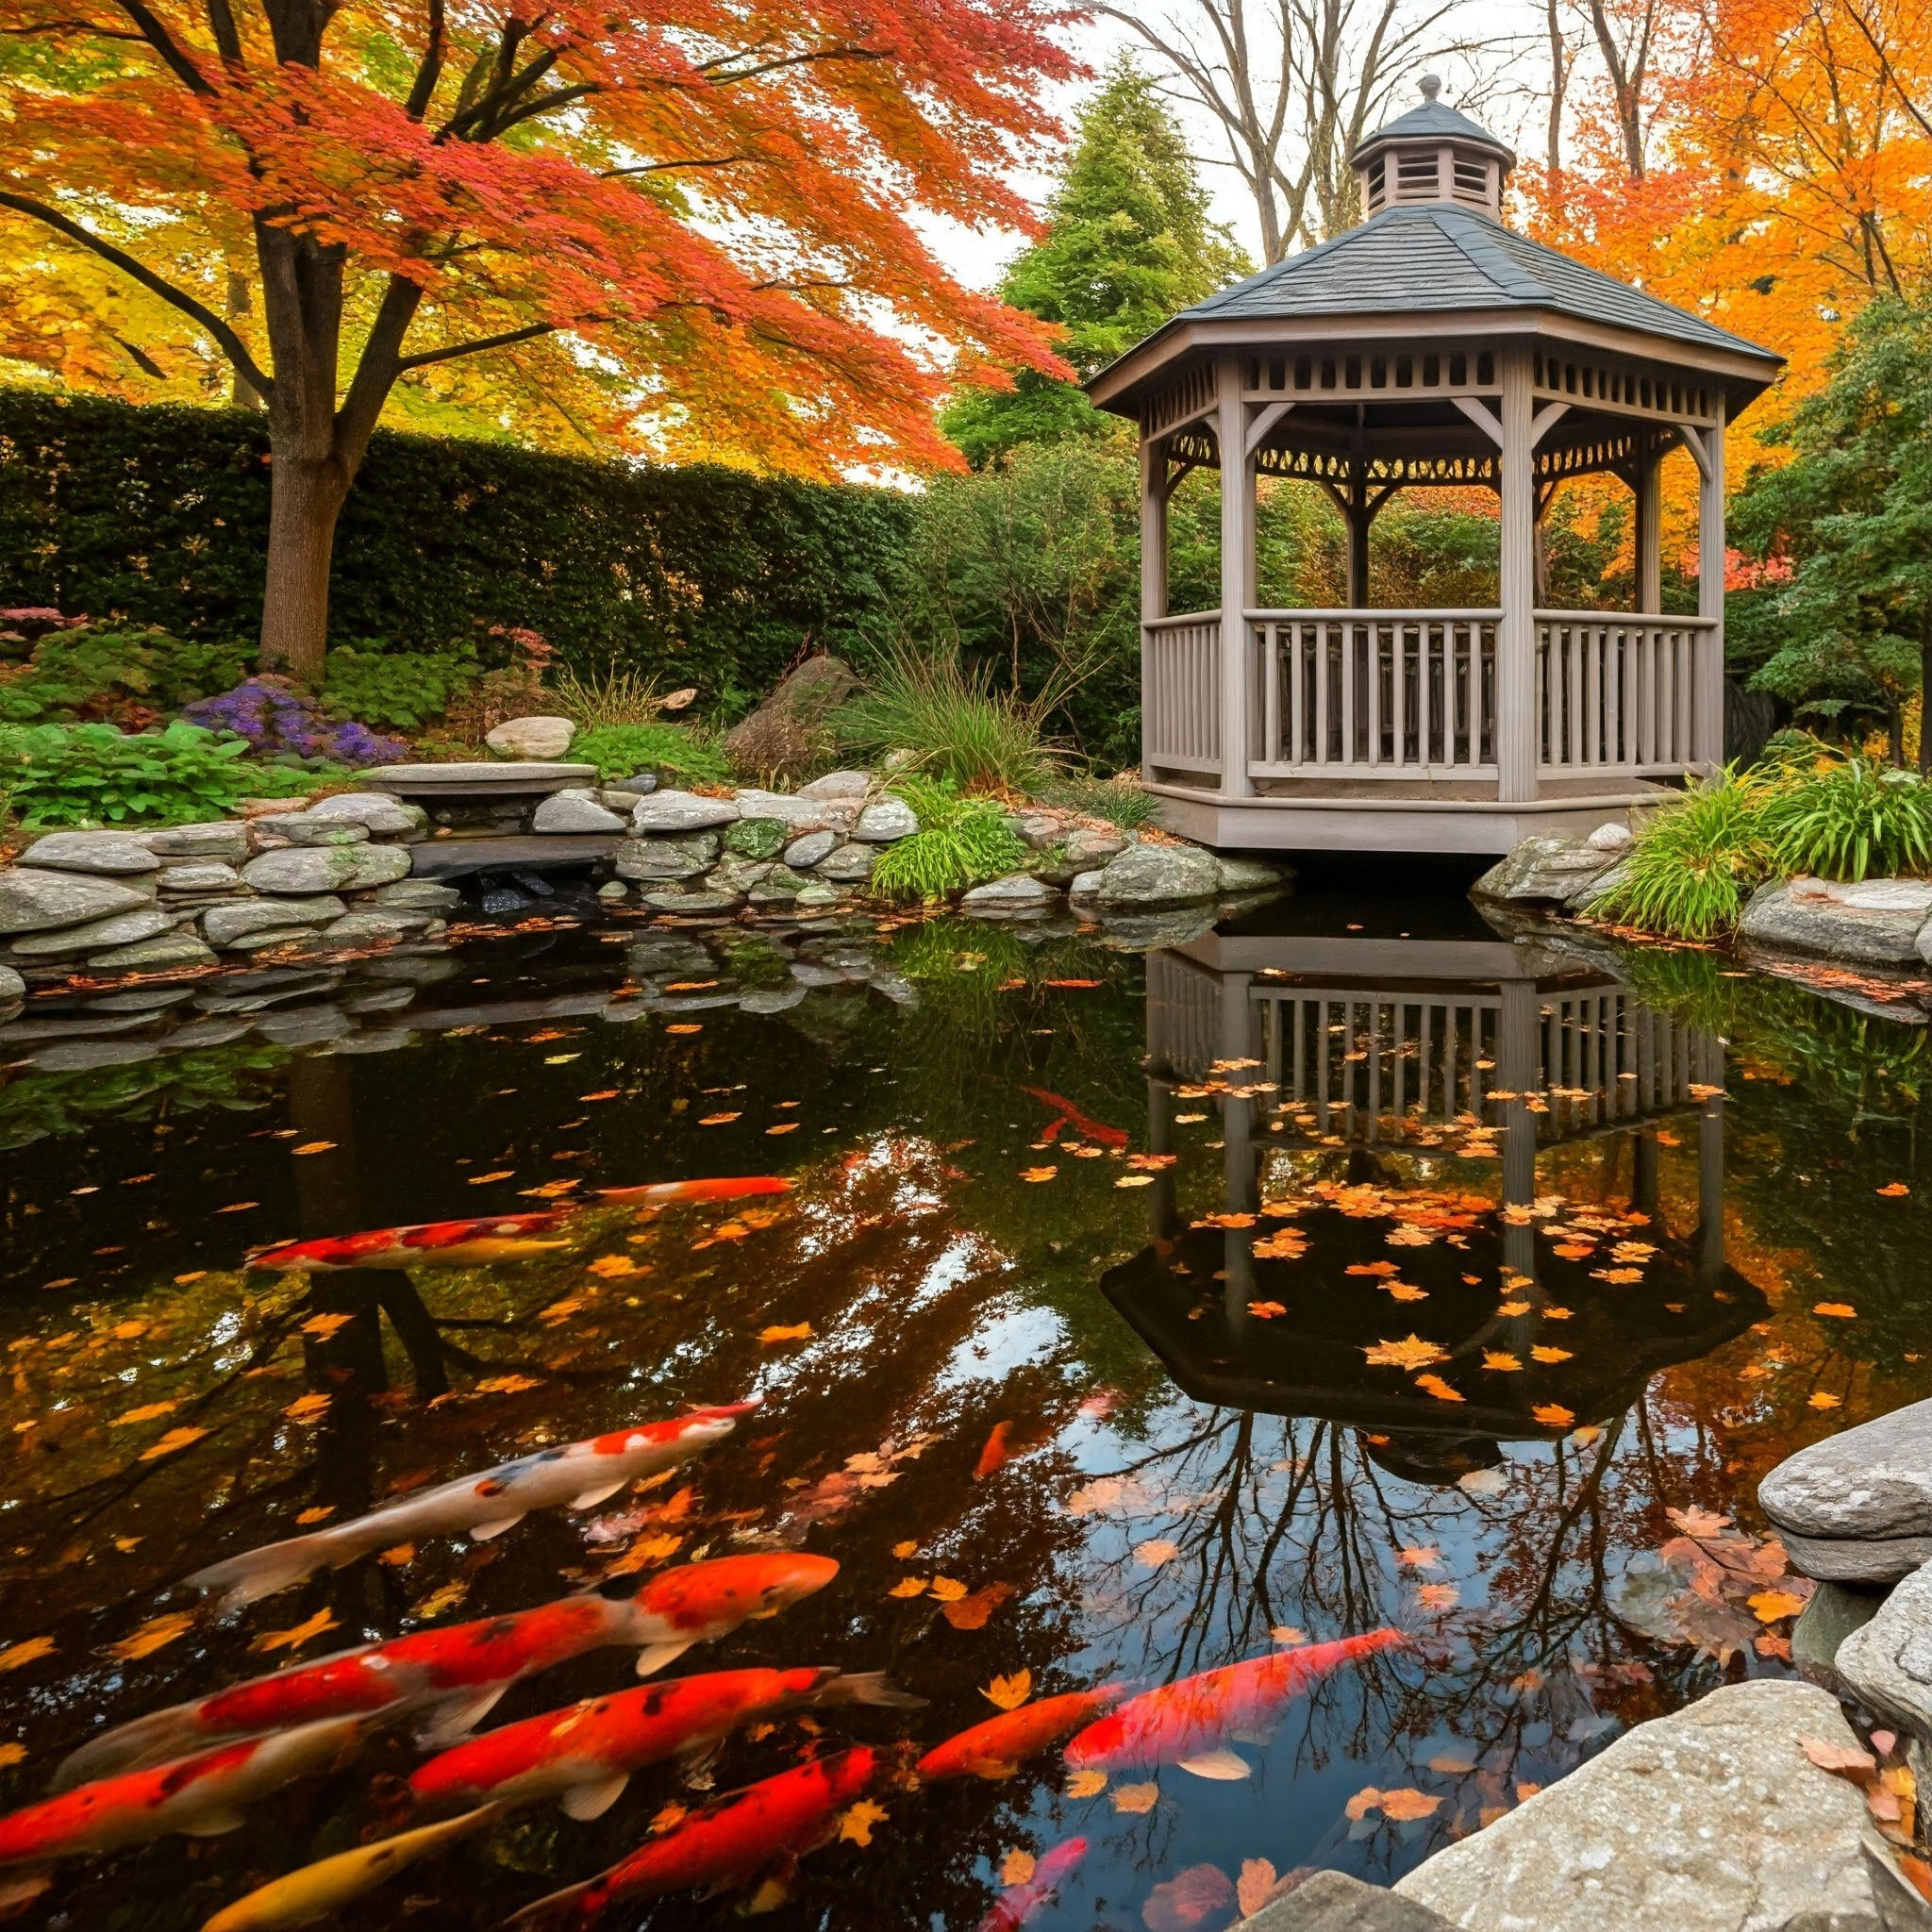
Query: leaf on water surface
x=642, y=1554
x=1223, y=1765
x=948, y=1590
x=398, y=1556
x=1155, y=1552
x=308, y=1409
x=1822, y=1400
x=1512, y=1307
x=1407, y=1291
x=1420, y=1556
x=152, y=1635
x=904, y=1550
x=1265, y=1311
x=855, y=1826
x=148, y=1412
x=505, y=1385
x=1552, y=1312
x=299, y=1634
x=666, y=1818
x=1412, y=1352
x=1135, y=1180
x=1374, y=1268
x=175, y=1439
x=1841, y=1760
x=1009, y=1693
x=1842, y=1311
x=502, y=1174
x=1524, y=1793
x=1287, y=1634
x=1482, y=1482
x=971, y=1612
x=1554, y=1415
x=1438, y=1596
x=1698, y=1522
x=1773, y=1605
x=799, y=1332
x=1447, y=1764
x=1501, y=1361
x=993, y=1456
x=683, y=1026
x=321, y=1513
x=1617, y=1277
x=1258, y=1885
x=438, y=1600
x=1893, y=1189
x=1038, y=1174
x=1544, y=1354
x=551, y=1190
x=313, y=1147
x=1366, y=1800
x=612, y=1267
x=602, y=1094
x=1576, y=1250
x=1016, y=1868
x=12, y=1754
x=1134, y=1798
x=1434, y=1385
x=238, y=1206
x=324, y=1328
x=1405, y=1805
x=718, y=1120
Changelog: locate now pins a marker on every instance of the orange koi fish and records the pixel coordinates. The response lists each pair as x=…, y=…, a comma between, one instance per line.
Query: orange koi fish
x=722, y=1843
x=583, y=1756
x=1185, y=1719
x=998, y=1747
x=424, y=1243
x=479, y=1506
x=1068, y=1114
x=466, y=1668
x=1019, y=1903
x=202, y=1795
x=723, y=1187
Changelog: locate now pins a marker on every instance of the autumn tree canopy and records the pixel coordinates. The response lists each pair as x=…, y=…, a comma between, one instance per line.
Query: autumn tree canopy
x=689, y=228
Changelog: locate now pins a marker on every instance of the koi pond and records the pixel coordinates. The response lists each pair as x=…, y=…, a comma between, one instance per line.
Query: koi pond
x=1352, y=1271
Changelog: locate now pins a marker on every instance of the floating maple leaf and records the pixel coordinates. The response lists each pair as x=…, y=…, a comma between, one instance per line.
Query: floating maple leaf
x=173, y=1440
x=855, y=1826
x=1009, y=1693
x=1842, y=1311
x=1405, y=1805
x=971, y=1612
x=1016, y=1868
x=1499, y=1361
x=16, y=1655
x=151, y=1411
x=152, y=1635
x=1086, y=1784
x=1155, y=1552
x=1412, y=1352
x=1258, y=1885
x=299, y=1634
x=1134, y=1798
x=800, y=1331
x=1434, y=1385
x=1553, y=1415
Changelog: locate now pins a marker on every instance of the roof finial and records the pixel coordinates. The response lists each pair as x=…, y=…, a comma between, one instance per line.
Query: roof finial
x=1432, y=86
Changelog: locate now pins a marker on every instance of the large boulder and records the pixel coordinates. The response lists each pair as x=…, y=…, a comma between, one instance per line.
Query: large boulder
x=1835, y=1611
x=37, y=901
x=848, y=785
x=1888, y=1664
x=1334, y=1902
x=117, y=929
x=791, y=732
x=326, y=868
x=1876, y=923
x=95, y=852
x=1085, y=848
x=1544, y=871
x=532, y=737
x=1147, y=876
x=682, y=812
x=199, y=877
x=1856, y=1508
x=667, y=859
x=419, y=895
x=1711, y=1819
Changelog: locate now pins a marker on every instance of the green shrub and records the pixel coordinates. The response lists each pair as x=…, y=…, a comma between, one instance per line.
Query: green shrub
x=960, y=842
x=103, y=670
x=1852, y=820
x=87, y=775
x=951, y=719
x=672, y=751
x=1120, y=800
x=1695, y=863
x=405, y=690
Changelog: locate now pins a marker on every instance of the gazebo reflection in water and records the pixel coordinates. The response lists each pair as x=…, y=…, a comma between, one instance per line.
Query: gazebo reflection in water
x=1354, y=1073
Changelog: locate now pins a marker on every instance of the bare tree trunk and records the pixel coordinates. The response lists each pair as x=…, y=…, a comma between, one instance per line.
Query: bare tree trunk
x=1629, y=68
x=1559, y=88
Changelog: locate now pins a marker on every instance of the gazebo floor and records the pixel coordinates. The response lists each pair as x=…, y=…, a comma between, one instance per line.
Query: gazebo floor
x=1360, y=815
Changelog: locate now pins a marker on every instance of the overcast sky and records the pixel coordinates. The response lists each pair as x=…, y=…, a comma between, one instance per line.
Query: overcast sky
x=1503, y=24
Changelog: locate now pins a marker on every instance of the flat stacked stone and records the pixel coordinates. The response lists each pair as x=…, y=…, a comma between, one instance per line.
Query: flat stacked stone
x=1856, y=1508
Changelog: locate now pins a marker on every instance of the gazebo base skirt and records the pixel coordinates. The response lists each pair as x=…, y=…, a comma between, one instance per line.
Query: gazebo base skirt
x=1382, y=824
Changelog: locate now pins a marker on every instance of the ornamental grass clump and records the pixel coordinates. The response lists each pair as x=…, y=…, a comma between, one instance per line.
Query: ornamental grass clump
x=1851, y=821
x=960, y=842
x=1695, y=863
x=950, y=723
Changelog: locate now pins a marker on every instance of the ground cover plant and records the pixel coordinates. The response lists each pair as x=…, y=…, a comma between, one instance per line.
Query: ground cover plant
x=672, y=751
x=84, y=775
x=961, y=842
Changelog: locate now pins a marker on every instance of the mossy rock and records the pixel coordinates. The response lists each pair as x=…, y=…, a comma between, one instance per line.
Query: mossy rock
x=758, y=838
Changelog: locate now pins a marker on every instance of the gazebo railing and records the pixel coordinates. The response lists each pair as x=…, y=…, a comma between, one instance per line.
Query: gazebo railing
x=1618, y=694
x=1392, y=695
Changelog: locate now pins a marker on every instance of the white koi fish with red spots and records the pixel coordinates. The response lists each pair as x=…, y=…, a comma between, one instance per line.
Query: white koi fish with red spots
x=480, y=1507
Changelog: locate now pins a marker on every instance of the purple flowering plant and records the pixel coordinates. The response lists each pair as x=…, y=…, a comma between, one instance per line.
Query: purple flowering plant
x=274, y=715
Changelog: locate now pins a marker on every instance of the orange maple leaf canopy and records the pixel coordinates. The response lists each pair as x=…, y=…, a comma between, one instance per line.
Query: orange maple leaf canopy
x=691, y=226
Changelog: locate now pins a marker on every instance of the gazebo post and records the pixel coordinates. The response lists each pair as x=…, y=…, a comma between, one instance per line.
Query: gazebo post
x=1708, y=709
x=1153, y=561
x=1647, y=484
x=1237, y=572
x=1515, y=725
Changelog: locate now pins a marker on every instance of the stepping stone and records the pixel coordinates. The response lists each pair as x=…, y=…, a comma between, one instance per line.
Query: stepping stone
x=1856, y=1508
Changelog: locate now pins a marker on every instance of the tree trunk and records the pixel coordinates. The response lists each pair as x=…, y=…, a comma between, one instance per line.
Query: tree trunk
x=306, y=498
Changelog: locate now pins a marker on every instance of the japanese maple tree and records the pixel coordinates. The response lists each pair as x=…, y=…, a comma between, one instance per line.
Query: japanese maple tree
x=688, y=228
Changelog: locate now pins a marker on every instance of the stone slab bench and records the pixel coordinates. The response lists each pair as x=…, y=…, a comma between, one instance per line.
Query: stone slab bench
x=494, y=779
x=460, y=857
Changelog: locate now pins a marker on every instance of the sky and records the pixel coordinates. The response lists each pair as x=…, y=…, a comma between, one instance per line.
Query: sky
x=977, y=259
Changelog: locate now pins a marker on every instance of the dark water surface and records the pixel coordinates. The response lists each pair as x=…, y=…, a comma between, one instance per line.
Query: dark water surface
x=1609, y=1283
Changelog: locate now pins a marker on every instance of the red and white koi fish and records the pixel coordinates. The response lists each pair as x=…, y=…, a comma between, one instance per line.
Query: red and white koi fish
x=722, y=1188
x=722, y=1843
x=998, y=1747
x=464, y=1669
x=1019, y=1903
x=424, y=1244
x=584, y=1755
x=1183, y=1720
x=480, y=1507
x=1067, y=1114
x=202, y=1795
x=316, y=1890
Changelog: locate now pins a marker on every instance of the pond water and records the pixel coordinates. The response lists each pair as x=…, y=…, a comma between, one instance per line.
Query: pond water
x=1129, y=1315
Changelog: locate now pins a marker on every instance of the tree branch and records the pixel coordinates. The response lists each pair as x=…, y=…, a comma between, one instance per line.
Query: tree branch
x=221, y=21
x=666, y=167
x=230, y=344
x=711, y=68
x=423, y=90
x=60, y=27
x=426, y=357
x=165, y=44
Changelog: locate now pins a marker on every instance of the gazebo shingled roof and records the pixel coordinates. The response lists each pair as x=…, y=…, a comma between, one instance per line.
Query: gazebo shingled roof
x=1430, y=347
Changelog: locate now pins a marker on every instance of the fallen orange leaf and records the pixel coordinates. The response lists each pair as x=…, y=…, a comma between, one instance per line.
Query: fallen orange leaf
x=1500, y=1360
x=1134, y=1798
x=799, y=1332
x=1009, y=1693
x=1407, y=1804
x=1894, y=1188
x=1434, y=1385
x=948, y=1590
x=299, y=1634
x=971, y=1612
x=1842, y=1310
x=1038, y=1174
x=1554, y=1415
x=308, y=1409
x=855, y=1826
x=146, y=1413
x=173, y=1441
x=152, y=1635
x=1773, y=1605
x=31, y=1651
x=909, y=1585
x=1543, y=1354
x=1016, y=1868
x=1411, y=1353
x=1086, y=1784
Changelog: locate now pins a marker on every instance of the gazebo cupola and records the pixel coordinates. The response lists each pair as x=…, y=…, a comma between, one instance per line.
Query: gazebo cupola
x=1430, y=347
x=1432, y=154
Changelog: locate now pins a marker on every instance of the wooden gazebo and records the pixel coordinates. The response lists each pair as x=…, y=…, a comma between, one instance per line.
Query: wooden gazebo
x=1429, y=347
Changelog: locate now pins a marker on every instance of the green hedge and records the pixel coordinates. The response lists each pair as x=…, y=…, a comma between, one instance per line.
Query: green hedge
x=705, y=575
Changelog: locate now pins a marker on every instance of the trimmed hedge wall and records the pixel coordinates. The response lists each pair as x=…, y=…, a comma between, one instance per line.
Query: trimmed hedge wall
x=707, y=575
